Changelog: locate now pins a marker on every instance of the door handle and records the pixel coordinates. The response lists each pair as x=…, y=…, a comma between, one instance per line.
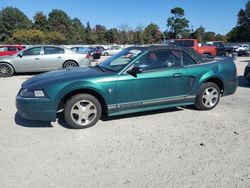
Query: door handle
x=59, y=57
x=177, y=75
x=36, y=58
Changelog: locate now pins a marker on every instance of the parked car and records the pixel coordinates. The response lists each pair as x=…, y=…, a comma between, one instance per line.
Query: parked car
x=247, y=72
x=243, y=52
x=193, y=43
x=242, y=47
x=222, y=50
x=100, y=48
x=40, y=59
x=135, y=80
x=112, y=50
x=87, y=50
x=6, y=50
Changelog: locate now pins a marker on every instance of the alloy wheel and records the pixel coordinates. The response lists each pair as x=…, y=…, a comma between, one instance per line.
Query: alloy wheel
x=210, y=97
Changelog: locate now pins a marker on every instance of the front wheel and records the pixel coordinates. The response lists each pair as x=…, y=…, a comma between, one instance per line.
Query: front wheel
x=208, y=96
x=82, y=111
x=6, y=70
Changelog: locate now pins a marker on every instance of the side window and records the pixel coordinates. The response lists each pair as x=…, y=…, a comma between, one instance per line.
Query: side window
x=32, y=51
x=160, y=59
x=12, y=48
x=74, y=49
x=81, y=50
x=3, y=49
x=53, y=50
x=187, y=60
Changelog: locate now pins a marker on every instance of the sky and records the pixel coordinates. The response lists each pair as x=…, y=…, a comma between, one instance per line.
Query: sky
x=219, y=16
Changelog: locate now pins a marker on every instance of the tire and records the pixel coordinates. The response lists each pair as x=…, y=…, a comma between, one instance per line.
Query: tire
x=6, y=70
x=70, y=64
x=208, y=96
x=106, y=53
x=82, y=111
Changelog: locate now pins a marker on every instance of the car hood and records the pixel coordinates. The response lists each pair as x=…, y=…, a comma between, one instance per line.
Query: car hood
x=67, y=75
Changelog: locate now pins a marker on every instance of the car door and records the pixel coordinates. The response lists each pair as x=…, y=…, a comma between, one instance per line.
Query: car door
x=160, y=82
x=52, y=58
x=28, y=60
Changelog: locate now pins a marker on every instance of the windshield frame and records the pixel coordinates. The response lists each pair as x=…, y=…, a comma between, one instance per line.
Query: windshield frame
x=126, y=66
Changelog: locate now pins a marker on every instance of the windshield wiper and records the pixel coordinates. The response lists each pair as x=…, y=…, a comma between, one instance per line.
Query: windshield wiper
x=101, y=68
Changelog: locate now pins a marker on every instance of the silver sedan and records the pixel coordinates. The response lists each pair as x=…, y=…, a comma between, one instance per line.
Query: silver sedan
x=40, y=59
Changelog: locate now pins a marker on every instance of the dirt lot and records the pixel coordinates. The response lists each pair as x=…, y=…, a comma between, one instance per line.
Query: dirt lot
x=178, y=147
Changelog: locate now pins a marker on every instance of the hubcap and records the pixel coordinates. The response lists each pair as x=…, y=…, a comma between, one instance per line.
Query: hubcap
x=210, y=97
x=69, y=65
x=83, y=112
x=4, y=70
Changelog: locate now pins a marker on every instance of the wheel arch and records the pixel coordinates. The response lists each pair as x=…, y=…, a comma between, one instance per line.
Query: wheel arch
x=70, y=60
x=94, y=93
x=9, y=64
x=217, y=81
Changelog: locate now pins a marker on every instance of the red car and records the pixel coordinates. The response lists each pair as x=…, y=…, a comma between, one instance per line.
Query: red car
x=193, y=43
x=6, y=50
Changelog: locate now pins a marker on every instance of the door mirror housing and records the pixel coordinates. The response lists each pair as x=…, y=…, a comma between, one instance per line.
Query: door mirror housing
x=134, y=71
x=20, y=55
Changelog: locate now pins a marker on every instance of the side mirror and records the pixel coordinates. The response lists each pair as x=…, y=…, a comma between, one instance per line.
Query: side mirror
x=20, y=55
x=134, y=71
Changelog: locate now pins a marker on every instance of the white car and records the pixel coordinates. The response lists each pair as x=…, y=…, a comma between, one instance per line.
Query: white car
x=242, y=47
x=112, y=50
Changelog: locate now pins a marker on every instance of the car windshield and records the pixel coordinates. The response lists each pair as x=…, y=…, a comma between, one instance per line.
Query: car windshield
x=198, y=58
x=120, y=60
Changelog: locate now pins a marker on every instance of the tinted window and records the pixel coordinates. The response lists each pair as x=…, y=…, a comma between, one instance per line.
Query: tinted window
x=12, y=48
x=32, y=51
x=187, y=60
x=160, y=59
x=53, y=50
x=184, y=43
x=74, y=49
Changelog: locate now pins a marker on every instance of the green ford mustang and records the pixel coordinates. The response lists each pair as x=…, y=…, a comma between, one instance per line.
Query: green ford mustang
x=136, y=79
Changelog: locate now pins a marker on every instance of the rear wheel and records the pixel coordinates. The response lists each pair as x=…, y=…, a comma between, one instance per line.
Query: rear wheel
x=106, y=53
x=70, y=64
x=6, y=70
x=208, y=96
x=82, y=111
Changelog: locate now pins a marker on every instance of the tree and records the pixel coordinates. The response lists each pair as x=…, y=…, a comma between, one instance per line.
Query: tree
x=40, y=21
x=241, y=32
x=10, y=20
x=90, y=34
x=152, y=34
x=100, y=34
x=55, y=37
x=59, y=21
x=30, y=36
x=200, y=34
x=76, y=32
x=177, y=24
x=210, y=36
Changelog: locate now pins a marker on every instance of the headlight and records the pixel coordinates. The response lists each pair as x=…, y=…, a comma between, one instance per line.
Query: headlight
x=31, y=94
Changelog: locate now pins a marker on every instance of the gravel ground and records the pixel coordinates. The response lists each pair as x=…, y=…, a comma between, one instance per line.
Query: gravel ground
x=177, y=147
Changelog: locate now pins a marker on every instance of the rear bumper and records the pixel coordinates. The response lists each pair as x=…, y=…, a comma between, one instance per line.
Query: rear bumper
x=247, y=73
x=230, y=86
x=42, y=109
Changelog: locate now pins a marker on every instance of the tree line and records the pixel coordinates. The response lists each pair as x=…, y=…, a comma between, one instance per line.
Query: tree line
x=58, y=28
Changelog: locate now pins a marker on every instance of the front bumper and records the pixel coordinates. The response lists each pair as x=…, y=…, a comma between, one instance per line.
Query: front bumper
x=42, y=109
x=247, y=73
